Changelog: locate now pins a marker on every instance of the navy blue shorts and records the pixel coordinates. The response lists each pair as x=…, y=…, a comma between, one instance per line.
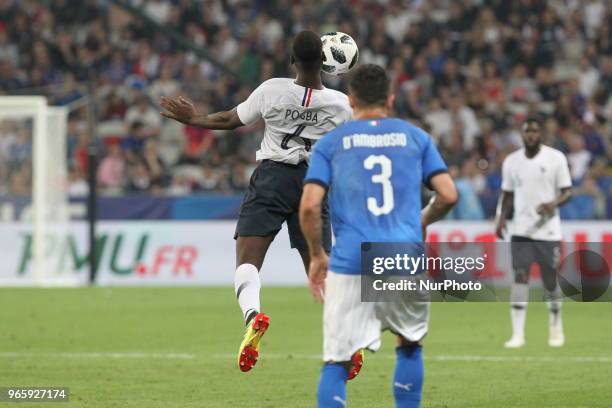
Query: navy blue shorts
x=526, y=251
x=273, y=197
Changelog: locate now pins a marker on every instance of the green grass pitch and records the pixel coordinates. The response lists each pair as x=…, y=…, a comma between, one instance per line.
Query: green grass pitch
x=173, y=347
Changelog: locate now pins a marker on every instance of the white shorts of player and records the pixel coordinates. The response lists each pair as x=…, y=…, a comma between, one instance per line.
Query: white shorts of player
x=350, y=324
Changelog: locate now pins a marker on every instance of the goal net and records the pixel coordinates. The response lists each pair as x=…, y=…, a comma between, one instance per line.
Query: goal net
x=35, y=228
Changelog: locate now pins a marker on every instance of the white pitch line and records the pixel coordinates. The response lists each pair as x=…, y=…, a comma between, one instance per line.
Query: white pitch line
x=299, y=356
x=273, y=356
x=539, y=359
x=473, y=358
x=110, y=355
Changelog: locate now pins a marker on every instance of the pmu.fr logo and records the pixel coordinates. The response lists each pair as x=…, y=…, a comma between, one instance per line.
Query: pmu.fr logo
x=119, y=253
x=178, y=260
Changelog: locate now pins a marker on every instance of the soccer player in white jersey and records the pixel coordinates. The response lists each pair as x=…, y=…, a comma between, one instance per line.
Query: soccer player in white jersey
x=535, y=182
x=296, y=112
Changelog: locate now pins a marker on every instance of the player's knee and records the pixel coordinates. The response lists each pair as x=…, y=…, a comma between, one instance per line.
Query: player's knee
x=521, y=276
x=549, y=280
x=410, y=350
x=251, y=259
x=252, y=250
x=408, y=344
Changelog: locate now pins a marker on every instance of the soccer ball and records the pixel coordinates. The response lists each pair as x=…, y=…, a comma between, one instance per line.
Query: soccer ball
x=340, y=53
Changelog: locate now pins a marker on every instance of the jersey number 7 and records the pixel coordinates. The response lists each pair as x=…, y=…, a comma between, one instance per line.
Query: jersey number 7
x=384, y=178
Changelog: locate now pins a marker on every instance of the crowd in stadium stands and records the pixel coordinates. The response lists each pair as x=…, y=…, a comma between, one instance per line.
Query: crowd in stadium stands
x=467, y=71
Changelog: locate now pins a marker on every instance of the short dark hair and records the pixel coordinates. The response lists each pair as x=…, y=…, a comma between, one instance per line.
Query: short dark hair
x=370, y=84
x=307, y=50
x=533, y=119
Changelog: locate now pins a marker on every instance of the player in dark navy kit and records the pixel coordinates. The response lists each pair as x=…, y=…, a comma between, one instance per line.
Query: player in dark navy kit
x=296, y=112
x=373, y=167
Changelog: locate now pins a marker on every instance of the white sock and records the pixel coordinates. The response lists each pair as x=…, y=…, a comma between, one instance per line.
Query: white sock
x=519, y=294
x=517, y=315
x=554, y=313
x=247, y=286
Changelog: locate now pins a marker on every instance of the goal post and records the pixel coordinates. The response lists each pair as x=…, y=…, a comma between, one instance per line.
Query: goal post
x=31, y=241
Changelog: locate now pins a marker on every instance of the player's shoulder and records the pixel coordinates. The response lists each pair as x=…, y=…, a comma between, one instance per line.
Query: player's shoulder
x=334, y=98
x=418, y=135
x=385, y=125
x=515, y=156
x=411, y=128
x=553, y=153
x=378, y=126
x=278, y=83
x=334, y=93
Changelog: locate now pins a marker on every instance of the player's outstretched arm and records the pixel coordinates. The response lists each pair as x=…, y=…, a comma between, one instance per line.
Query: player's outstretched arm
x=442, y=202
x=507, y=198
x=311, y=224
x=182, y=110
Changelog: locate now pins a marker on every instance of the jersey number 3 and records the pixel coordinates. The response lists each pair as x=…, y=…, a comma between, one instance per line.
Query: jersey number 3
x=384, y=179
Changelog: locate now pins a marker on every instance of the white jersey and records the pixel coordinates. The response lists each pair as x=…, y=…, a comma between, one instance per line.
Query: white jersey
x=295, y=117
x=535, y=181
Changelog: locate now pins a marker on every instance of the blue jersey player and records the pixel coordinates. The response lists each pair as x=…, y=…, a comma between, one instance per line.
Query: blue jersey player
x=373, y=168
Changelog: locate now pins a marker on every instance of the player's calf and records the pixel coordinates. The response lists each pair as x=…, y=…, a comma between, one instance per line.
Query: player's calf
x=556, y=337
x=331, y=392
x=408, y=376
x=519, y=295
